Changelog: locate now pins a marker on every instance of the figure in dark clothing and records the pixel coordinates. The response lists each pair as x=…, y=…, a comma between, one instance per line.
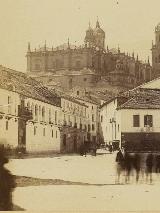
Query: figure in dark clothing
x=149, y=167
x=120, y=164
x=94, y=149
x=110, y=148
x=81, y=150
x=128, y=166
x=7, y=184
x=158, y=164
x=136, y=164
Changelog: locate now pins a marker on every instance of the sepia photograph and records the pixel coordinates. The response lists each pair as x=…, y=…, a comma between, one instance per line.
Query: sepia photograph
x=80, y=105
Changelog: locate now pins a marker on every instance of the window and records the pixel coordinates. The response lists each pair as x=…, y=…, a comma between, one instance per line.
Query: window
x=43, y=114
x=9, y=104
x=56, y=134
x=85, y=127
x=36, y=113
x=89, y=127
x=52, y=133
x=148, y=120
x=93, y=127
x=35, y=128
x=55, y=117
x=80, y=126
x=118, y=127
x=44, y=131
x=49, y=115
x=136, y=120
x=92, y=107
x=6, y=125
x=93, y=117
x=101, y=118
x=77, y=92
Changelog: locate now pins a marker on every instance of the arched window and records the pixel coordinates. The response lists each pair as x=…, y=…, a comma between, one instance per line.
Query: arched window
x=36, y=112
x=40, y=113
x=35, y=130
x=44, y=132
x=43, y=113
x=9, y=104
x=50, y=116
x=6, y=125
x=55, y=117
x=28, y=105
x=32, y=109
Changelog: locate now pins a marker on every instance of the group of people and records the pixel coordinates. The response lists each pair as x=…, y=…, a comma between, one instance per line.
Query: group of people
x=143, y=164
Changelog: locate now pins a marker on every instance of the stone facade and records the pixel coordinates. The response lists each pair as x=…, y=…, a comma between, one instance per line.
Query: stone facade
x=92, y=55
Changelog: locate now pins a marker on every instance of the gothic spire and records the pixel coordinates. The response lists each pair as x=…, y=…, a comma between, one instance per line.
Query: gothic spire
x=118, y=49
x=137, y=57
x=97, y=23
x=45, y=45
x=68, y=44
x=29, y=47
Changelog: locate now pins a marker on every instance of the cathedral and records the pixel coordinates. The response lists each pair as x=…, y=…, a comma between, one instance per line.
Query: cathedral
x=68, y=65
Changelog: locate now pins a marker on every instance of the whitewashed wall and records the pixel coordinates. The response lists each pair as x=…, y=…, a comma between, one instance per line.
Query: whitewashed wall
x=127, y=120
x=9, y=109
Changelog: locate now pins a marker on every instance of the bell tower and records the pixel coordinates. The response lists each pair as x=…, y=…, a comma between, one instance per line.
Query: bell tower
x=156, y=51
x=99, y=36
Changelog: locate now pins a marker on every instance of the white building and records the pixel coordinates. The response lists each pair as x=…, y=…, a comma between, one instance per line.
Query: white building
x=132, y=120
x=36, y=119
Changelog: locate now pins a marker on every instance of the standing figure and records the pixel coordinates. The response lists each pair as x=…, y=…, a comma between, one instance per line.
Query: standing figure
x=158, y=164
x=136, y=164
x=7, y=184
x=128, y=166
x=120, y=165
x=149, y=167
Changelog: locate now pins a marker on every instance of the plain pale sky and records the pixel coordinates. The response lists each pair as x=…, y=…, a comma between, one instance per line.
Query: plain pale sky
x=130, y=24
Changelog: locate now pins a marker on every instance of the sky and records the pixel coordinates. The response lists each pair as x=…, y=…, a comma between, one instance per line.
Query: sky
x=129, y=24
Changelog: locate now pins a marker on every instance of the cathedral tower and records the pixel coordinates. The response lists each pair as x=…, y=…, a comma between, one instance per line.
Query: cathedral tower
x=89, y=38
x=99, y=36
x=156, y=51
x=95, y=37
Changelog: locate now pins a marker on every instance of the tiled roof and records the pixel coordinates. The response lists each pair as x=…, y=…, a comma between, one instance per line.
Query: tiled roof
x=143, y=99
x=87, y=99
x=69, y=97
x=21, y=83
